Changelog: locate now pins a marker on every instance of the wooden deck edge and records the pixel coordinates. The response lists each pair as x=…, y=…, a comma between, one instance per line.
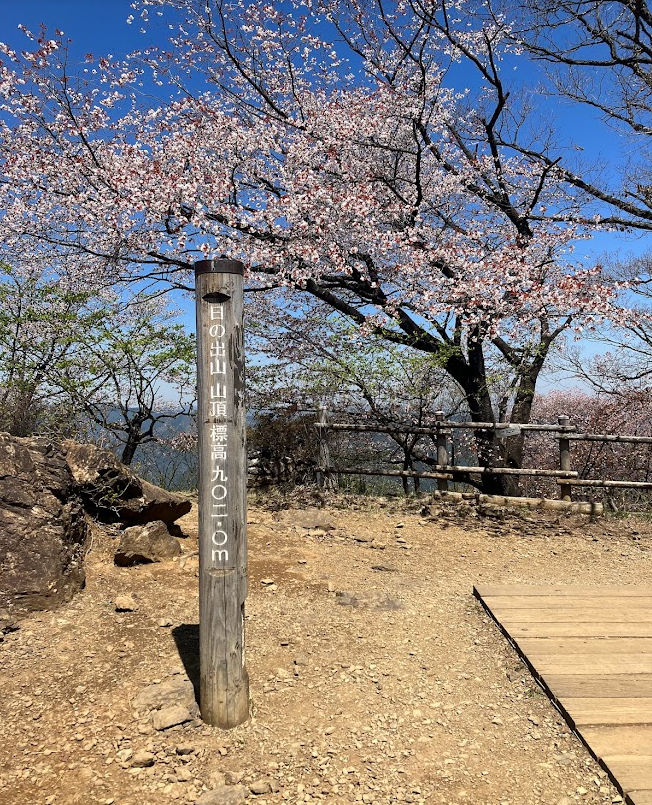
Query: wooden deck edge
x=553, y=699
x=626, y=591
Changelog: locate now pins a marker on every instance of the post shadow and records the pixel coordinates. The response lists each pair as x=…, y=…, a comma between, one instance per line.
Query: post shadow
x=186, y=637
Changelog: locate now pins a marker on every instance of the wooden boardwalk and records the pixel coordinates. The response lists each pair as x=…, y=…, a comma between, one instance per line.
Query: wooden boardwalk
x=590, y=648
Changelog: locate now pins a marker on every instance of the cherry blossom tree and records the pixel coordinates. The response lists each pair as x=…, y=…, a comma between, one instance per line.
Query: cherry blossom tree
x=629, y=413
x=321, y=143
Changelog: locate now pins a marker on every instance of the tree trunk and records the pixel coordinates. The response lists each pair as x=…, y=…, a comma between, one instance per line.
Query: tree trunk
x=472, y=377
x=129, y=450
x=405, y=479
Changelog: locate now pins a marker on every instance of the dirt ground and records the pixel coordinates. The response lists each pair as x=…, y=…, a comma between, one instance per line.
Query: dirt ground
x=376, y=677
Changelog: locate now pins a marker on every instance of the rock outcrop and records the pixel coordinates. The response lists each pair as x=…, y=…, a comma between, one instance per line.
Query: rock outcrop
x=112, y=493
x=46, y=491
x=43, y=529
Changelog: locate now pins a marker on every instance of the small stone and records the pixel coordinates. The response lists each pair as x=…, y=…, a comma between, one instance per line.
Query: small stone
x=216, y=779
x=7, y=623
x=261, y=787
x=183, y=774
x=142, y=760
x=170, y=716
x=330, y=587
x=125, y=603
x=184, y=749
x=534, y=720
x=164, y=622
x=362, y=538
x=267, y=582
x=223, y=795
x=233, y=777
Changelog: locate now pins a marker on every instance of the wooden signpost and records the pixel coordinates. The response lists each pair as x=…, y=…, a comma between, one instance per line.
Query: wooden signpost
x=224, y=682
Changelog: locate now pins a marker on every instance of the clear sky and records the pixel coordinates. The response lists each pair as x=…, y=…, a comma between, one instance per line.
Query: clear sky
x=95, y=26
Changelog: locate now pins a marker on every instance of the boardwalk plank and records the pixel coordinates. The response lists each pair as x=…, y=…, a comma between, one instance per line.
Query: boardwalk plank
x=620, y=710
x=593, y=614
x=640, y=797
x=572, y=629
x=623, y=604
x=636, y=772
x=599, y=685
x=569, y=646
x=594, y=664
x=633, y=740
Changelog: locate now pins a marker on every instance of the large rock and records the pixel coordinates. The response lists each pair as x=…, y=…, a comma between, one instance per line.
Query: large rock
x=141, y=544
x=113, y=493
x=43, y=529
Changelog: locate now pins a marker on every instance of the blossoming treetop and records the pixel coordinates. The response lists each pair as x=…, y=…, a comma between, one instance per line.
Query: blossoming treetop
x=320, y=143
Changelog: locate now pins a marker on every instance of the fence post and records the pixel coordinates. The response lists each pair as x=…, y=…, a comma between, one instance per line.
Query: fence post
x=224, y=682
x=442, y=450
x=324, y=478
x=565, y=490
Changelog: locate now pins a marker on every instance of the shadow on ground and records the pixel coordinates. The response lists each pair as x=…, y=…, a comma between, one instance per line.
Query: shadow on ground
x=186, y=637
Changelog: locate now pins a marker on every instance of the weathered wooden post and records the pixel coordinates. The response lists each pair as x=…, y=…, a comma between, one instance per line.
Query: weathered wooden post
x=442, y=450
x=224, y=682
x=565, y=490
x=324, y=477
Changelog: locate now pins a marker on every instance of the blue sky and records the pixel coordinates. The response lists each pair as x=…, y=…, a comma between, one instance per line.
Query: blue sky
x=95, y=26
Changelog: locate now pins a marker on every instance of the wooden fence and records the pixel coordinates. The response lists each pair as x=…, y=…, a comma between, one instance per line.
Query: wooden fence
x=445, y=472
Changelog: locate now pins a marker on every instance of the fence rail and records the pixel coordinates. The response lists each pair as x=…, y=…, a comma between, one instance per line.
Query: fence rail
x=444, y=471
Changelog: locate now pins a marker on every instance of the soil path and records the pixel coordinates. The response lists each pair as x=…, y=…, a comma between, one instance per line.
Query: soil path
x=375, y=675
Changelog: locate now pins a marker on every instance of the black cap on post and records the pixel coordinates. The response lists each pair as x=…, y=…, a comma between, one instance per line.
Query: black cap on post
x=219, y=265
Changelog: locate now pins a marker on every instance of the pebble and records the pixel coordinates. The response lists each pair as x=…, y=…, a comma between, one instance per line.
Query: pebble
x=183, y=774
x=142, y=760
x=261, y=787
x=125, y=603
